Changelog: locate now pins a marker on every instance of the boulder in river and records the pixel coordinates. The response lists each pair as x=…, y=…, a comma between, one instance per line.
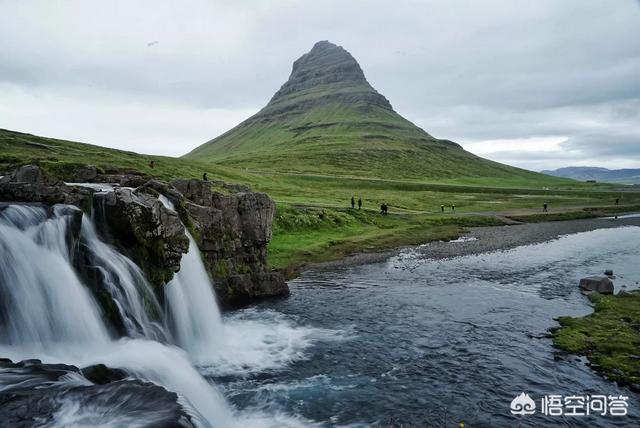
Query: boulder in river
x=599, y=284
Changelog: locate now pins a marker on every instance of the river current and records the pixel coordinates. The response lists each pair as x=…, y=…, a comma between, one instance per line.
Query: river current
x=438, y=342
x=409, y=342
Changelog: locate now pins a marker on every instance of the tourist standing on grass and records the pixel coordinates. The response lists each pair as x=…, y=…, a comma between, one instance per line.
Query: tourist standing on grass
x=545, y=208
x=359, y=203
x=617, y=201
x=353, y=203
x=204, y=177
x=442, y=208
x=453, y=208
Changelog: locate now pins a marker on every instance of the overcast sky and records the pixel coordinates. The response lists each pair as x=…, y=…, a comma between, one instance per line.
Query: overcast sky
x=536, y=84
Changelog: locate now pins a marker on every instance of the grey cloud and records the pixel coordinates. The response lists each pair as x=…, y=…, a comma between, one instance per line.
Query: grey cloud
x=605, y=145
x=461, y=69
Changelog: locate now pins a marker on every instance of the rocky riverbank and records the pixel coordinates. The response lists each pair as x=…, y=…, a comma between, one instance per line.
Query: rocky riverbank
x=479, y=240
x=230, y=224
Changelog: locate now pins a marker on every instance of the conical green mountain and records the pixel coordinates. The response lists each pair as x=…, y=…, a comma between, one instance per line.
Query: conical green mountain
x=327, y=119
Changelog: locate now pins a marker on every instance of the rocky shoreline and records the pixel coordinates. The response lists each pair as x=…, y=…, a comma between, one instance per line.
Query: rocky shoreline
x=480, y=240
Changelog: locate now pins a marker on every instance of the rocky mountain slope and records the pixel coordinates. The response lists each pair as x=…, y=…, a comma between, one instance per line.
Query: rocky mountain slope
x=328, y=119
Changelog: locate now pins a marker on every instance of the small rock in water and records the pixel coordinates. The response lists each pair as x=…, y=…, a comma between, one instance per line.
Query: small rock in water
x=598, y=284
x=102, y=375
x=608, y=272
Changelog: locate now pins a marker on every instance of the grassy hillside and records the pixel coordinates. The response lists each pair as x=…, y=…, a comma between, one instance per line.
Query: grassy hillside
x=327, y=119
x=60, y=157
x=314, y=221
x=336, y=139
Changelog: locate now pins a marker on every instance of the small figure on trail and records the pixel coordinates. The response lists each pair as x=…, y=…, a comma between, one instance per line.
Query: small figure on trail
x=442, y=208
x=204, y=177
x=384, y=209
x=152, y=164
x=353, y=203
x=617, y=201
x=453, y=208
x=545, y=208
x=359, y=203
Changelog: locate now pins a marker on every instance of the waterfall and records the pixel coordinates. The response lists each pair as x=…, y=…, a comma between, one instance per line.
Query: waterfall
x=192, y=309
x=193, y=312
x=126, y=284
x=42, y=301
x=48, y=313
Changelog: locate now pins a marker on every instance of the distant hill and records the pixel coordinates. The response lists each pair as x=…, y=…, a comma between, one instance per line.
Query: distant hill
x=328, y=119
x=584, y=173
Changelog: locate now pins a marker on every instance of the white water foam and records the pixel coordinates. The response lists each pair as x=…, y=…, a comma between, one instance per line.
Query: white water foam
x=53, y=317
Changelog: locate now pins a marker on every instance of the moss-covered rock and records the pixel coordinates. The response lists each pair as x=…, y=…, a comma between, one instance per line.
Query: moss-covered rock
x=609, y=337
x=145, y=229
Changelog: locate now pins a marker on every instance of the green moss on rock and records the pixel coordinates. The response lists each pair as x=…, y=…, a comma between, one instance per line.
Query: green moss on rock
x=609, y=337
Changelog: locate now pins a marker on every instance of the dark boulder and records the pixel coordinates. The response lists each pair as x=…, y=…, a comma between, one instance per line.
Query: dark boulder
x=597, y=284
x=85, y=174
x=35, y=394
x=101, y=374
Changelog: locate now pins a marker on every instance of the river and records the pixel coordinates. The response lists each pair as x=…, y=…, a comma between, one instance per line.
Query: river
x=407, y=342
x=456, y=339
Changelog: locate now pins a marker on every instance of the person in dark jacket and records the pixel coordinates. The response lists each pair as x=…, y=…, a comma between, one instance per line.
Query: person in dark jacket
x=359, y=203
x=353, y=203
x=204, y=177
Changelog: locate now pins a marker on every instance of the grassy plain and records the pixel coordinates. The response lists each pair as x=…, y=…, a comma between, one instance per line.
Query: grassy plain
x=314, y=221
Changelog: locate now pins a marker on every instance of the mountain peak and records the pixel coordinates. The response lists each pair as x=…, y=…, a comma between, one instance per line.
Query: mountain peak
x=331, y=69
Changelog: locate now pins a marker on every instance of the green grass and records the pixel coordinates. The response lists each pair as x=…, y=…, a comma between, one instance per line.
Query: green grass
x=60, y=157
x=299, y=235
x=311, y=235
x=340, y=140
x=609, y=337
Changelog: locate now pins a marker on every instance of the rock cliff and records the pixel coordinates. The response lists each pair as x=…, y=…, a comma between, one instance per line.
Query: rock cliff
x=230, y=224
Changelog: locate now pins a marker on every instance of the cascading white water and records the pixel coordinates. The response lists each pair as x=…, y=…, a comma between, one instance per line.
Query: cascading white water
x=127, y=286
x=49, y=314
x=193, y=312
x=41, y=298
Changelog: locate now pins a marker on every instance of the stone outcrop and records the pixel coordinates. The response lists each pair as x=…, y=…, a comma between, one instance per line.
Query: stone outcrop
x=231, y=226
x=329, y=66
x=143, y=228
x=232, y=231
x=39, y=391
x=29, y=184
x=599, y=284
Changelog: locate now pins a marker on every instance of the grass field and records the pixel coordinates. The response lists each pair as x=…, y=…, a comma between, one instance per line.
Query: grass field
x=314, y=221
